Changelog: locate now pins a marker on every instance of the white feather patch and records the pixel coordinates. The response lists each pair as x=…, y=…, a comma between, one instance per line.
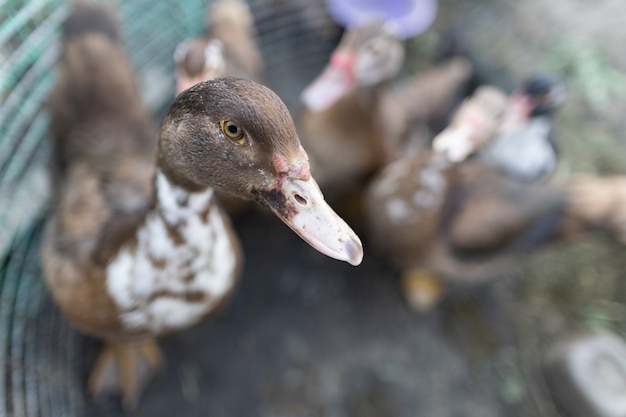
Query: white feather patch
x=152, y=297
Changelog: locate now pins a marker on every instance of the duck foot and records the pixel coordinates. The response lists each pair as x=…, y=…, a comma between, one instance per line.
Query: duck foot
x=422, y=289
x=125, y=368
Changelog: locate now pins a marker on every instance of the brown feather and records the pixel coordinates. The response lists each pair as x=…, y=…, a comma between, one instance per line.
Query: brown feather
x=104, y=145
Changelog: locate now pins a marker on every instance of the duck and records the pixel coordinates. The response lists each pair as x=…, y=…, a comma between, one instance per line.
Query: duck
x=446, y=220
x=338, y=118
x=524, y=147
x=137, y=246
x=354, y=119
x=228, y=49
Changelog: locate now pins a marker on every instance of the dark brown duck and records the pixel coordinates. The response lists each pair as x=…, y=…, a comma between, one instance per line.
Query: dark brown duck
x=138, y=246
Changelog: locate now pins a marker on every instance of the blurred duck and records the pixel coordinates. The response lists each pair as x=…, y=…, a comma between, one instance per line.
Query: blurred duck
x=339, y=119
x=353, y=121
x=137, y=246
x=523, y=147
x=197, y=60
x=476, y=122
x=519, y=143
x=229, y=49
x=442, y=220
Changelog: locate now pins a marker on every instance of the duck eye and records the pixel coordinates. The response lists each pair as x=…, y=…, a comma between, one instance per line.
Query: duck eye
x=234, y=133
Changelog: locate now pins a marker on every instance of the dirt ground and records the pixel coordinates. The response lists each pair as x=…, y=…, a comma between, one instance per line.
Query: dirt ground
x=309, y=336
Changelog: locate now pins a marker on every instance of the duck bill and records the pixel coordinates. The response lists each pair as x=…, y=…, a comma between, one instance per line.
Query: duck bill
x=456, y=144
x=301, y=206
x=330, y=86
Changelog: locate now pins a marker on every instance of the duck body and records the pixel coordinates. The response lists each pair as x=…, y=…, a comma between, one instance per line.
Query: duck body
x=446, y=225
x=443, y=216
x=458, y=224
x=456, y=221
x=524, y=153
x=167, y=276
x=407, y=191
x=138, y=245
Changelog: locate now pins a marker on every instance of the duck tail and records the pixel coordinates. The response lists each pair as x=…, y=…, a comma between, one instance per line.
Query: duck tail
x=86, y=18
x=596, y=203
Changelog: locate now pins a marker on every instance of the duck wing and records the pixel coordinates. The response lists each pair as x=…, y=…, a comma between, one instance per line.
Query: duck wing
x=104, y=140
x=488, y=212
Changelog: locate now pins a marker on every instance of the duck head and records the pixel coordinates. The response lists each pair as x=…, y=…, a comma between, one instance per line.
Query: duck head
x=541, y=95
x=475, y=123
x=198, y=60
x=366, y=56
x=238, y=137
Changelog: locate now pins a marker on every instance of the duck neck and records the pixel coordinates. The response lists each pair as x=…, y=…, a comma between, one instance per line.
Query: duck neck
x=176, y=203
x=369, y=97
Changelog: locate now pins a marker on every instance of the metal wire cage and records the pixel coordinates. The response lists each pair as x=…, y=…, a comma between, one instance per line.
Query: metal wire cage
x=39, y=376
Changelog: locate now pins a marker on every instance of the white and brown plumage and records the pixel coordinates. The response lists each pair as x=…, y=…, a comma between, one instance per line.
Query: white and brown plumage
x=443, y=218
x=136, y=249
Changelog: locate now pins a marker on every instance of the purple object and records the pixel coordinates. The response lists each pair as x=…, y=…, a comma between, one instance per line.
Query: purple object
x=409, y=17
